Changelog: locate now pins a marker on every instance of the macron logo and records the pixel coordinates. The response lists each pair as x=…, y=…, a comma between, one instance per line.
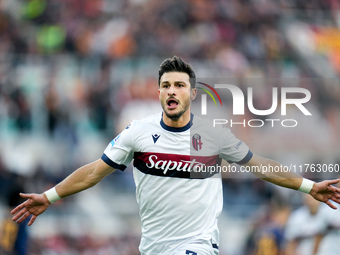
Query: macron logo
x=155, y=137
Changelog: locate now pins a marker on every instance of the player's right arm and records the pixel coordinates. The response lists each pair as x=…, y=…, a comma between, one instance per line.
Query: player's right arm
x=83, y=178
x=117, y=155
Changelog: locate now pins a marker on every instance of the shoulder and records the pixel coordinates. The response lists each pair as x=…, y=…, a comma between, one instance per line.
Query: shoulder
x=213, y=125
x=135, y=129
x=198, y=120
x=145, y=122
x=151, y=118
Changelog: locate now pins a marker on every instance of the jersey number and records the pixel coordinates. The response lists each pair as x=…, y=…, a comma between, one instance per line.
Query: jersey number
x=190, y=252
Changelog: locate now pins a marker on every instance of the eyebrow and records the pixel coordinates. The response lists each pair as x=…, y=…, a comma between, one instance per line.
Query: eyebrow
x=176, y=82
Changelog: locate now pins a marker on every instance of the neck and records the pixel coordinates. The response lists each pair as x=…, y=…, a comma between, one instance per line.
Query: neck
x=181, y=122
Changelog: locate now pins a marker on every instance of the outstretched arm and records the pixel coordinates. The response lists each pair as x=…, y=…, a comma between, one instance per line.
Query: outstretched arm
x=321, y=191
x=83, y=178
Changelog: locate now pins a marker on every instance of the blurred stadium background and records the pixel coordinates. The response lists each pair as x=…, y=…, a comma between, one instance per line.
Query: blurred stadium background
x=74, y=73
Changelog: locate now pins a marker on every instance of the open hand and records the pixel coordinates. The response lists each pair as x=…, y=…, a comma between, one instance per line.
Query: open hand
x=35, y=205
x=325, y=191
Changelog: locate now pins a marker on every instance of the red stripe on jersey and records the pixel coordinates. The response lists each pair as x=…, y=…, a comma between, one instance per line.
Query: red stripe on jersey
x=176, y=165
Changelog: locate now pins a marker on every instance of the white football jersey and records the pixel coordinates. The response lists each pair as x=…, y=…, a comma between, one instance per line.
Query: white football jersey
x=176, y=201
x=330, y=230
x=303, y=226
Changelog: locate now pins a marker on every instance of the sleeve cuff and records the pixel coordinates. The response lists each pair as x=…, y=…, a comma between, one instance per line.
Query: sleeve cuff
x=108, y=161
x=245, y=160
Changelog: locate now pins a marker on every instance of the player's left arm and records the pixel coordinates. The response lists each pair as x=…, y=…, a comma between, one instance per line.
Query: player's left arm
x=321, y=191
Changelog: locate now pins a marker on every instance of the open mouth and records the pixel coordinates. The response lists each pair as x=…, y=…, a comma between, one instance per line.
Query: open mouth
x=172, y=103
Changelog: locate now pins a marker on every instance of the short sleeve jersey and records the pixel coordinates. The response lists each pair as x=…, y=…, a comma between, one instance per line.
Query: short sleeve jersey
x=174, y=205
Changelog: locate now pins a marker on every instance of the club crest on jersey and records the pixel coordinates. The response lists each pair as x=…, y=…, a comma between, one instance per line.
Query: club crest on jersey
x=196, y=142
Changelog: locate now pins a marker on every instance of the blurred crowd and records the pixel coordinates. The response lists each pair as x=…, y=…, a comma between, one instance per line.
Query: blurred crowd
x=139, y=28
x=87, y=245
x=75, y=71
x=71, y=52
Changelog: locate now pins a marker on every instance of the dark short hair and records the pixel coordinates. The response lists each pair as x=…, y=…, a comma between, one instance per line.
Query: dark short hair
x=176, y=64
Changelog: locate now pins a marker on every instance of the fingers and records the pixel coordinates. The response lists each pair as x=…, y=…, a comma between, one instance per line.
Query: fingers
x=331, y=205
x=331, y=187
x=23, y=195
x=20, y=214
x=22, y=205
x=26, y=214
x=335, y=181
x=23, y=215
x=23, y=211
x=335, y=189
x=18, y=208
x=336, y=200
x=32, y=220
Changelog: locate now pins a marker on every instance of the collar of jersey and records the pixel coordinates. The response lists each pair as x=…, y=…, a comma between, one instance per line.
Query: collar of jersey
x=176, y=129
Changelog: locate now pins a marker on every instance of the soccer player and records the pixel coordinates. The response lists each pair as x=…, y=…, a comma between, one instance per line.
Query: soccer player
x=302, y=228
x=313, y=229
x=178, y=210
x=329, y=236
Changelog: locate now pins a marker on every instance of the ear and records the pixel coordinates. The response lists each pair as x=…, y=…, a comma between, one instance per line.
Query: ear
x=193, y=93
